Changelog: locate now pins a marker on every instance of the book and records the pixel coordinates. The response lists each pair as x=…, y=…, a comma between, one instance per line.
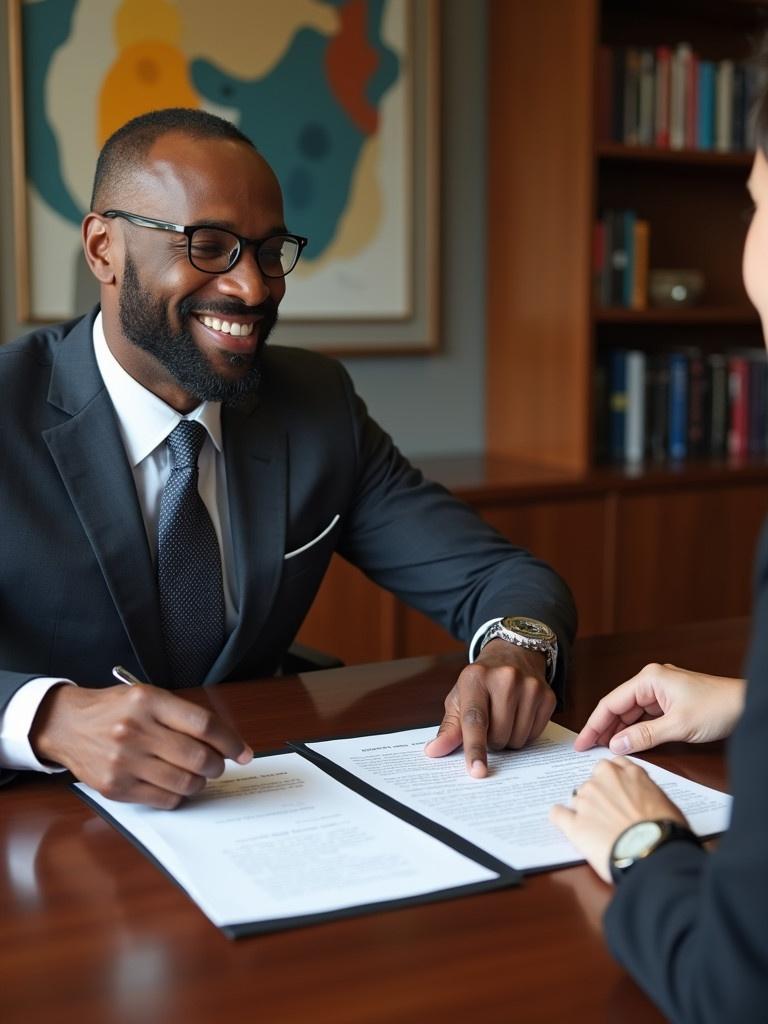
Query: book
x=634, y=433
x=662, y=95
x=717, y=442
x=628, y=277
x=738, y=406
x=630, y=134
x=678, y=406
x=698, y=406
x=647, y=99
x=679, y=85
x=657, y=406
x=724, y=106
x=604, y=94
x=617, y=403
x=705, y=128
x=641, y=251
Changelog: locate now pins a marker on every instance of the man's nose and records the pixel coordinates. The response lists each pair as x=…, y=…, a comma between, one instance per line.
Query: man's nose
x=245, y=280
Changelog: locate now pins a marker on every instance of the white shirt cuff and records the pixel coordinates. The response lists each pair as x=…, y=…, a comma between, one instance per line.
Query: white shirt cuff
x=16, y=721
x=477, y=638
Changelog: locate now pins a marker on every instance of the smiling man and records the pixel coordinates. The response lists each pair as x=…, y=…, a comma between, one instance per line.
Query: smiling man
x=173, y=489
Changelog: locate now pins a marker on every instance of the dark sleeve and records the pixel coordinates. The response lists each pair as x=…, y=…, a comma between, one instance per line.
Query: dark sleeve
x=412, y=537
x=692, y=927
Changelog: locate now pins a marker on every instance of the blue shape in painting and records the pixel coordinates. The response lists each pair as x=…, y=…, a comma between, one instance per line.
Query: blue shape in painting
x=296, y=122
x=46, y=25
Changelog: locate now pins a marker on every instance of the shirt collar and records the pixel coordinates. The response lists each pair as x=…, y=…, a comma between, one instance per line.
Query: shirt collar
x=145, y=421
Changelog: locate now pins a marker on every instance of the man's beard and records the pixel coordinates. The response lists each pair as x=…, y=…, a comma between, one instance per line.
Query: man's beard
x=144, y=320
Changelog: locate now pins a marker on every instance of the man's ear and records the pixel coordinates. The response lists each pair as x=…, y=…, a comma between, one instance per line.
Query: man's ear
x=99, y=248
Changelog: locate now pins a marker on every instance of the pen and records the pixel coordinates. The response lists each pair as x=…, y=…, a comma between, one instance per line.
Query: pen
x=125, y=676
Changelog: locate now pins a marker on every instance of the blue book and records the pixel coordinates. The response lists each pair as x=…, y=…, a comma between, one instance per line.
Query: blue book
x=705, y=128
x=617, y=404
x=677, y=420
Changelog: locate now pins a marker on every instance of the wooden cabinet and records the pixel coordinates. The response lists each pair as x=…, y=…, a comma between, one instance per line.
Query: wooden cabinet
x=637, y=550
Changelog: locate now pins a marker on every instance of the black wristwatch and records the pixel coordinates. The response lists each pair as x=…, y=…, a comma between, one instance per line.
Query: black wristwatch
x=641, y=839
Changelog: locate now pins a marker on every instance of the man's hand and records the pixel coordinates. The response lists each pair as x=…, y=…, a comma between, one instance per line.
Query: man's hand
x=501, y=700
x=660, y=704
x=135, y=743
x=618, y=794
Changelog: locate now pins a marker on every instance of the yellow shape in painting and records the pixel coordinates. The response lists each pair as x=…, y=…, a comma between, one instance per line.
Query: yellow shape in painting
x=139, y=20
x=146, y=76
x=247, y=38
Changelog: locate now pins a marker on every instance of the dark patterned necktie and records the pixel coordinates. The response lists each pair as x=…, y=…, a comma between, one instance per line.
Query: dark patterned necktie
x=188, y=564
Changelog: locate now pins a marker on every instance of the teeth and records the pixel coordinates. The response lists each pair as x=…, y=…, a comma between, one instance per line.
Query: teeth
x=227, y=327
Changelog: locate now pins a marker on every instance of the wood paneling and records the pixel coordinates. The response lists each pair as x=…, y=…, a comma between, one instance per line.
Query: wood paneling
x=686, y=556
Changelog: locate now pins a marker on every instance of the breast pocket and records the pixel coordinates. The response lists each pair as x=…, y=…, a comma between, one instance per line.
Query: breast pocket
x=316, y=550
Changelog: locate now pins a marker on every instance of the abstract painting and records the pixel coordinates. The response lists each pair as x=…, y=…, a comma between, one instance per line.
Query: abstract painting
x=338, y=95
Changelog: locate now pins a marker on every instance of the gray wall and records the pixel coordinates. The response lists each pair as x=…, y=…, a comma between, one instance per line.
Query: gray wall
x=432, y=405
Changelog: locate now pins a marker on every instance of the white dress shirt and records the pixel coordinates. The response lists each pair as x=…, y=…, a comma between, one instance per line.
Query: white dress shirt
x=145, y=422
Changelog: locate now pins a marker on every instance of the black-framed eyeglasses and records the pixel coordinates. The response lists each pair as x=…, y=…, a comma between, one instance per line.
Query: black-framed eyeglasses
x=216, y=250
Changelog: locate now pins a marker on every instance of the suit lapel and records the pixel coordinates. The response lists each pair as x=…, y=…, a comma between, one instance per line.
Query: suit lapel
x=90, y=457
x=255, y=447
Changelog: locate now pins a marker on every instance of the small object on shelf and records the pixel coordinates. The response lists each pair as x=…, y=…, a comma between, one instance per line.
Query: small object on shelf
x=683, y=287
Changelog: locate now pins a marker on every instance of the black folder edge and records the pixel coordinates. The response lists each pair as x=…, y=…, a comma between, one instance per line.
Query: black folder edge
x=403, y=811
x=507, y=876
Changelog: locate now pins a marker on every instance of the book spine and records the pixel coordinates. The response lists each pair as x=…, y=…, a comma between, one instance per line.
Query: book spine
x=739, y=113
x=724, y=106
x=697, y=406
x=631, y=96
x=678, y=95
x=617, y=402
x=627, y=291
x=646, y=112
x=718, y=401
x=705, y=135
x=657, y=407
x=617, y=91
x=634, y=438
x=738, y=400
x=691, y=100
x=618, y=258
x=663, y=88
x=642, y=243
x=678, y=406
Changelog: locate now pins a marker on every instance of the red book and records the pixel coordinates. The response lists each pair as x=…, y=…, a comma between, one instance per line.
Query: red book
x=663, y=71
x=692, y=102
x=738, y=401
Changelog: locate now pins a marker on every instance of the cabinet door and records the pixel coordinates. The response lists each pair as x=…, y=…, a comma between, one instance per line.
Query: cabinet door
x=570, y=535
x=686, y=555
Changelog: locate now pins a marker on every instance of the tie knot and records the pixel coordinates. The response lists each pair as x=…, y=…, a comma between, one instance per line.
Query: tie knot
x=185, y=442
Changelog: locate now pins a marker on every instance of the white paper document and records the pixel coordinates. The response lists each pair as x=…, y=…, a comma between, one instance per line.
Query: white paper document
x=279, y=838
x=505, y=813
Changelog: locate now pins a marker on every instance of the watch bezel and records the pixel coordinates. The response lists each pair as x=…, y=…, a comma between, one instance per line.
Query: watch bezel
x=668, y=830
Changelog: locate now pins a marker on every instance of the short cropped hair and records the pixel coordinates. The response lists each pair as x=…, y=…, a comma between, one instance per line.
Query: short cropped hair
x=125, y=149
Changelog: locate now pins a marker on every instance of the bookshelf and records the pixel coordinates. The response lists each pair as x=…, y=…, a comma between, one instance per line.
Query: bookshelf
x=550, y=175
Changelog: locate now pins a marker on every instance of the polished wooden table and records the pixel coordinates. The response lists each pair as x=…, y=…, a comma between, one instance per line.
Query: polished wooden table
x=91, y=931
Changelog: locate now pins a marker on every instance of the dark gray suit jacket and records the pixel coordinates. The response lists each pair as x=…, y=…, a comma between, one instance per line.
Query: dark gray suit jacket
x=692, y=927
x=77, y=587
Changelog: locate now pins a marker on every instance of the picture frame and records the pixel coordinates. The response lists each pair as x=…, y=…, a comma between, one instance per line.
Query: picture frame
x=371, y=285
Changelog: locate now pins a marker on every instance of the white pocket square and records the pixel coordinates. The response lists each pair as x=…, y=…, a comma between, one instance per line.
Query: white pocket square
x=311, y=543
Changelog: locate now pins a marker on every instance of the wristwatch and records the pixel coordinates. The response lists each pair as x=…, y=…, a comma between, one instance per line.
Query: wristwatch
x=525, y=632
x=641, y=839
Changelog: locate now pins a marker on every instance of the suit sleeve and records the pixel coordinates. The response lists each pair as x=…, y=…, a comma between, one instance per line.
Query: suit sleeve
x=692, y=927
x=414, y=538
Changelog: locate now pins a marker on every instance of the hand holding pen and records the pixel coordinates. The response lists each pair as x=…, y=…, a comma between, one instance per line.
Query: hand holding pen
x=136, y=742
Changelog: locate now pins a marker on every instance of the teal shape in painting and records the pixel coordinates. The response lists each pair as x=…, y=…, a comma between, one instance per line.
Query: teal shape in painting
x=46, y=26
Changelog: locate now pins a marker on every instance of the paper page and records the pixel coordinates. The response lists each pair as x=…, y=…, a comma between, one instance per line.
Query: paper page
x=279, y=838
x=505, y=813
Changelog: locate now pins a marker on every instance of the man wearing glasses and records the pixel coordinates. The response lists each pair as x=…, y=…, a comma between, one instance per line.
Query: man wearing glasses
x=173, y=491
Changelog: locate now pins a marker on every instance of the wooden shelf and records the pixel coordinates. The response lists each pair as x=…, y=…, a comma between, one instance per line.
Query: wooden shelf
x=724, y=316
x=689, y=157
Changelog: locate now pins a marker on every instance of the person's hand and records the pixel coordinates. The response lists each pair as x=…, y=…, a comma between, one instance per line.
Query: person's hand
x=618, y=794
x=135, y=743
x=500, y=700
x=660, y=704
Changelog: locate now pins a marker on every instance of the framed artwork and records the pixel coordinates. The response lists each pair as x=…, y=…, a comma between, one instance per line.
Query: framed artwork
x=340, y=96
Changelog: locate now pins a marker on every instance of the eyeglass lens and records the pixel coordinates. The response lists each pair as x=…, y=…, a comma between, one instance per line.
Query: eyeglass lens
x=215, y=250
